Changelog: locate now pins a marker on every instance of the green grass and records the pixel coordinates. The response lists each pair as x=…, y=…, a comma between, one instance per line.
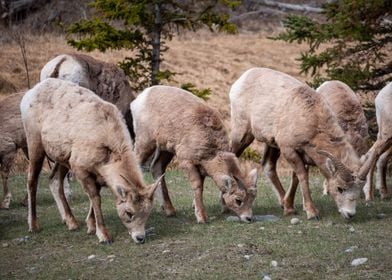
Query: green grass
x=182, y=249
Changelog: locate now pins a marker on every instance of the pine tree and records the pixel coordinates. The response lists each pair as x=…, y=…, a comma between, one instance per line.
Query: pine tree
x=142, y=26
x=353, y=45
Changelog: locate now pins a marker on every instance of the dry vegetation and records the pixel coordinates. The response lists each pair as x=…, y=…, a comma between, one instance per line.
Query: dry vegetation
x=208, y=60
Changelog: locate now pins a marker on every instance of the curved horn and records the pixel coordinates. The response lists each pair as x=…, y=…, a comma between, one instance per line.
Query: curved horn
x=240, y=184
x=342, y=170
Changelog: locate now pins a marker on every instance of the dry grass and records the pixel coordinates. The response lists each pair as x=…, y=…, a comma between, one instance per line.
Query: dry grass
x=208, y=60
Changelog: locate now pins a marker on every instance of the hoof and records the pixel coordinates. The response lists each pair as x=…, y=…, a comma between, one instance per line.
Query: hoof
x=169, y=212
x=73, y=227
x=106, y=242
x=312, y=216
x=385, y=196
x=289, y=212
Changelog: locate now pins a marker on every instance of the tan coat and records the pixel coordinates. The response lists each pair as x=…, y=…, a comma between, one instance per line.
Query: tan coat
x=77, y=129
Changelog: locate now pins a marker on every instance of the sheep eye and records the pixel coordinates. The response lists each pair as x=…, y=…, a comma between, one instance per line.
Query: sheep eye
x=238, y=202
x=340, y=190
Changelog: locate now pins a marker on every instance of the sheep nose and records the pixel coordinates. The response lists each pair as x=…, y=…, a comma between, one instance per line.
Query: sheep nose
x=140, y=239
x=249, y=219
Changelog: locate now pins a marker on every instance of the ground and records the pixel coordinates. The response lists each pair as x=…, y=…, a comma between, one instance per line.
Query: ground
x=179, y=248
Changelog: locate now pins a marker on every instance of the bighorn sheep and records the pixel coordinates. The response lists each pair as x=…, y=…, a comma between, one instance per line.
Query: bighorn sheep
x=106, y=80
x=381, y=151
x=12, y=138
x=74, y=127
x=292, y=119
x=347, y=108
x=172, y=122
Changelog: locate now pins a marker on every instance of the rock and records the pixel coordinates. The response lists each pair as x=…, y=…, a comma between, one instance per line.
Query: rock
x=256, y=218
x=274, y=263
x=359, y=261
x=91, y=257
x=5, y=245
x=165, y=251
x=232, y=219
x=351, y=249
x=266, y=276
x=111, y=256
x=381, y=216
x=247, y=257
x=240, y=245
x=295, y=221
x=351, y=229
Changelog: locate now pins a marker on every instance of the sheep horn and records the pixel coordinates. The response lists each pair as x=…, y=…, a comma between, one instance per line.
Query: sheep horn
x=240, y=184
x=342, y=170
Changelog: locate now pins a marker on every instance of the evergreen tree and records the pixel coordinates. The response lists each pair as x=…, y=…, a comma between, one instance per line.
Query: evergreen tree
x=353, y=45
x=142, y=26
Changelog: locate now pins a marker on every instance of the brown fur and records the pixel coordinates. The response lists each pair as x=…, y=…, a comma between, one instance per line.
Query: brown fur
x=106, y=80
x=75, y=128
x=12, y=138
x=294, y=121
x=169, y=121
x=348, y=110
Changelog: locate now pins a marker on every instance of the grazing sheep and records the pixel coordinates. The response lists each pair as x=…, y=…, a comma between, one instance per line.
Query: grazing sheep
x=12, y=138
x=105, y=79
x=74, y=127
x=381, y=151
x=172, y=122
x=347, y=108
x=295, y=121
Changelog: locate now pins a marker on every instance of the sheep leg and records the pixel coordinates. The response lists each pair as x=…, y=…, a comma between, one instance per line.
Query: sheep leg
x=90, y=219
x=57, y=189
x=5, y=165
x=381, y=174
x=240, y=139
x=288, y=200
x=37, y=156
x=299, y=168
x=368, y=188
x=93, y=192
x=271, y=156
x=158, y=168
x=197, y=181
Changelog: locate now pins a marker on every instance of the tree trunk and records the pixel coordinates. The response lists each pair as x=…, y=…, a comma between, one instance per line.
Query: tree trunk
x=156, y=45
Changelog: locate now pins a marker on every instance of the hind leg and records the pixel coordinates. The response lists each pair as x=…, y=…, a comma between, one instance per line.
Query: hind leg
x=9, y=153
x=37, y=156
x=381, y=174
x=271, y=156
x=57, y=189
x=158, y=167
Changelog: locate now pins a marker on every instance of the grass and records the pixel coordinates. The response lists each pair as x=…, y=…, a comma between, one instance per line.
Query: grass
x=182, y=249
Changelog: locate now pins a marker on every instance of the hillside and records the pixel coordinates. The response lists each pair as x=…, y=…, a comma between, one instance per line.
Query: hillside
x=208, y=60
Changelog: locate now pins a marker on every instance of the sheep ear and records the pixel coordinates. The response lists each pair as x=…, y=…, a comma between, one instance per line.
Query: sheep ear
x=227, y=183
x=152, y=188
x=252, y=177
x=121, y=192
x=330, y=166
